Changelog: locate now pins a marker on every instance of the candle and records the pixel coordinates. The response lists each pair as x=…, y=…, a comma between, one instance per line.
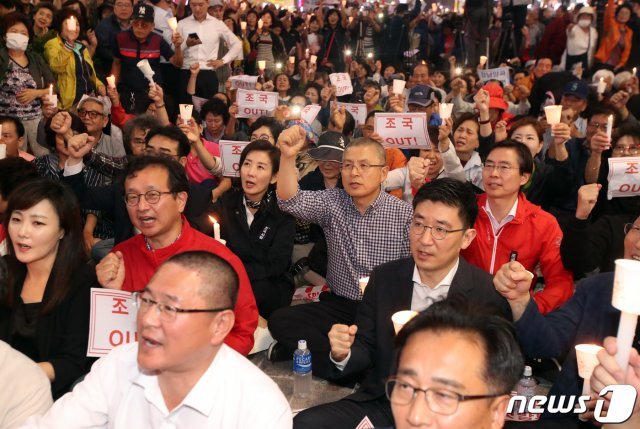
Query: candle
x=216, y=227
x=292, y=60
x=586, y=355
x=313, y=59
x=553, y=114
x=370, y=55
x=306, y=53
x=634, y=71
x=50, y=90
x=347, y=52
x=609, y=127
x=243, y=26
x=262, y=65
x=445, y=110
x=626, y=298
x=278, y=66
x=400, y=318
x=173, y=23
x=111, y=81
x=380, y=15
x=602, y=86
x=260, y=24
x=483, y=60
x=458, y=71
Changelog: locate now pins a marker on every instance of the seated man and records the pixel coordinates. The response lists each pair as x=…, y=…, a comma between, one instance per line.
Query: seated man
x=466, y=383
x=511, y=228
x=364, y=227
x=179, y=373
x=156, y=194
x=444, y=214
x=13, y=137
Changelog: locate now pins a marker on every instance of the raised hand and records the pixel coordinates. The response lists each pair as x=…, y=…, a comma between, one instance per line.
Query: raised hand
x=110, y=271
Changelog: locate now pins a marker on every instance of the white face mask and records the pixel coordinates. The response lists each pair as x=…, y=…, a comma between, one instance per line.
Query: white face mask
x=17, y=41
x=584, y=23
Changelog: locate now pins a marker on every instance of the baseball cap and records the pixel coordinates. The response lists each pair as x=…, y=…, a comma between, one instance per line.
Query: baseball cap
x=577, y=88
x=421, y=95
x=143, y=11
x=331, y=145
x=495, y=96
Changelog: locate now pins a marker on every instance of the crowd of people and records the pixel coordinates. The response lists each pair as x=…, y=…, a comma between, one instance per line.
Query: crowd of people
x=498, y=228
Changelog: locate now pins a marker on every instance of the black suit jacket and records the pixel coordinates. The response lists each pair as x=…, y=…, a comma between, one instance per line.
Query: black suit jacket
x=390, y=289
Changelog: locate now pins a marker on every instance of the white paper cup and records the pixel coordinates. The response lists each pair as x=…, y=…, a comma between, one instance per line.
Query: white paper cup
x=553, y=114
x=626, y=293
x=111, y=81
x=445, y=110
x=72, y=25
x=400, y=318
x=398, y=86
x=483, y=60
x=292, y=59
x=146, y=69
x=262, y=65
x=185, y=112
x=243, y=25
x=173, y=23
x=313, y=59
x=3, y=151
x=586, y=355
x=363, y=282
x=53, y=99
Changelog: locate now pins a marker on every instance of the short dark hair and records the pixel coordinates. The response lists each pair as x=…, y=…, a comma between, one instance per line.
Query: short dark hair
x=263, y=121
x=525, y=160
x=178, y=181
x=369, y=83
x=219, y=280
x=217, y=108
x=13, y=172
x=503, y=361
x=15, y=121
x=45, y=5
x=263, y=146
x=141, y=122
x=453, y=193
x=469, y=116
x=349, y=124
x=13, y=18
x=173, y=133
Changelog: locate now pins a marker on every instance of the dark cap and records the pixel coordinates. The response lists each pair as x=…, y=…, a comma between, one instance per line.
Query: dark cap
x=577, y=88
x=144, y=12
x=421, y=95
x=331, y=145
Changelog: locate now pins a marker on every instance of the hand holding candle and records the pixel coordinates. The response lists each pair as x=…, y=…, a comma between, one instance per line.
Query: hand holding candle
x=111, y=81
x=216, y=227
x=262, y=65
x=173, y=23
x=587, y=357
x=609, y=127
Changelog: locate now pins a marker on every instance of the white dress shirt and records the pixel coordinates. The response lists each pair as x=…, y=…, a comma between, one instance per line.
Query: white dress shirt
x=232, y=393
x=423, y=295
x=210, y=30
x=497, y=225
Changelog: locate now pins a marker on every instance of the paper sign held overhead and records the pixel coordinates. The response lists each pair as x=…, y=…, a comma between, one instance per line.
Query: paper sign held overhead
x=112, y=321
x=624, y=177
x=254, y=104
x=402, y=130
x=230, y=157
x=342, y=82
x=358, y=111
x=243, y=82
x=501, y=74
x=310, y=112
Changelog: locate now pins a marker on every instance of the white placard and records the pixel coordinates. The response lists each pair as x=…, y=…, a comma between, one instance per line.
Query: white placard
x=310, y=112
x=358, y=111
x=402, y=130
x=112, y=321
x=243, y=81
x=501, y=74
x=624, y=177
x=342, y=82
x=254, y=104
x=230, y=157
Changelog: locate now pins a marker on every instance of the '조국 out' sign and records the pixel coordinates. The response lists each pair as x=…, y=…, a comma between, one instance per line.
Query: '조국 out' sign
x=230, y=152
x=624, y=177
x=254, y=104
x=402, y=130
x=112, y=321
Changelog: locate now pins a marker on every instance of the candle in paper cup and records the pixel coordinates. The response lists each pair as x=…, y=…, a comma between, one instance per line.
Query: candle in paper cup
x=634, y=71
x=347, y=52
x=243, y=25
x=72, y=25
x=483, y=60
x=400, y=318
x=173, y=23
x=398, y=86
x=553, y=114
x=445, y=110
x=50, y=90
x=216, y=227
x=609, y=126
x=146, y=69
x=111, y=81
x=363, y=282
x=3, y=151
x=586, y=355
x=313, y=59
x=626, y=298
x=306, y=53
x=292, y=59
x=53, y=100
x=260, y=24
x=185, y=112
x=262, y=65
x=278, y=66
x=370, y=55
x=602, y=86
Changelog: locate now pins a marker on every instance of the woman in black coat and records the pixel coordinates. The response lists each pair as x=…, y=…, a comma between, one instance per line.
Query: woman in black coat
x=256, y=230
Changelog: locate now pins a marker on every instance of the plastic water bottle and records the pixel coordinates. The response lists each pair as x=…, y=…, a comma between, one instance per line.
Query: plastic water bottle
x=527, y=386
x=302, y=370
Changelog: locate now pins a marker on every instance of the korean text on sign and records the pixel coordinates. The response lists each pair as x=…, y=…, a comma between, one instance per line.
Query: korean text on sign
x=624, y=177
x=501, y=74
x=243, y=82
x=112, y=321
x=310, y=112
x=402, y=130
x=230, y=157
x=254, y=104
x=358, y=111
x=342, y=82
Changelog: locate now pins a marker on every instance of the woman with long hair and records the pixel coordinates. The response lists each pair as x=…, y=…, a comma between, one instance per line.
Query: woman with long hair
x=49, y=281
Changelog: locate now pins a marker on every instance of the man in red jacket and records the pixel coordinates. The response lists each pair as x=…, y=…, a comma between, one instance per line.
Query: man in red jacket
x=511, y=228
x=156, y=193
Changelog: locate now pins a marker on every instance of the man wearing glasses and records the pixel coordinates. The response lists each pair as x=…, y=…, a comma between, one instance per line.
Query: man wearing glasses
x=179, y=373
x=444, y=214
x=510, y=228
x=364, y=227
x=466, y=383
x=95, y=115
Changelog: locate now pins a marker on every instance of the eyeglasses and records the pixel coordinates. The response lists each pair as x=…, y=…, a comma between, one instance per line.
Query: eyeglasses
x=167, y=313
x=631, y=226
x=633, y=150
x=437, y=232
x=502, y=168
x=152, y=197
x=440, y=401
x=266, y=137
x=90, y=113
x=597, y=126
x=362, y=167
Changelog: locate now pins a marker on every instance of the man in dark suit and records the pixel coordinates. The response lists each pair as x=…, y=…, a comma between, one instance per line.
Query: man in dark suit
x=442, y=225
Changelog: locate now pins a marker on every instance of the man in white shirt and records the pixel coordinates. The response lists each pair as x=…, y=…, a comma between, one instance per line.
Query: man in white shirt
x=442, y=225
x=179, y=374
x=203, y=35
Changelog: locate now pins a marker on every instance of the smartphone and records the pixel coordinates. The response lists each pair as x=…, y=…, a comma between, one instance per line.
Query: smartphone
x=194, y=36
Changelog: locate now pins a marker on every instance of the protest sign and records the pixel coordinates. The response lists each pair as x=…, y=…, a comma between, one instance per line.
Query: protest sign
x=254, y=104
x=310, y=112
x=358, y=111
x=230, y=157
x=501, y=74
x=402, y=130
x=342, y=82
x=243, y=81
x=624, y=177
x=112, y=321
